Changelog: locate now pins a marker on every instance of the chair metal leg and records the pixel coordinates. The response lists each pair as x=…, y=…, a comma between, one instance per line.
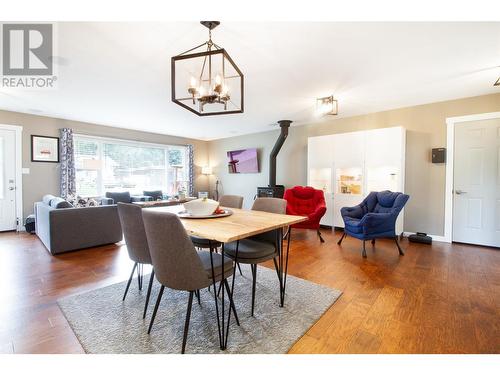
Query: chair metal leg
x=186, y=325
x=239, y=269
x=142, y=275
x=198, y=296
x=129, y=281
x=373, y=241
x=341, y=238
x=139, y=275
x=364, y=249
x=399, y=247
x=220, y=287
x=156, y=309
x=149, y=293
x=319, y=235
x=231, y=301
x=254, y=285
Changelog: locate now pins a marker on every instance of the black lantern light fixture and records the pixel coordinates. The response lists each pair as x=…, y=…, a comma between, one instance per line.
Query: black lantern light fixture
x=205, y=80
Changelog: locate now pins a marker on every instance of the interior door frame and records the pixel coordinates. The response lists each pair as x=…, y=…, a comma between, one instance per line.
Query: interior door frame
x=18, y=130
x=451, y=122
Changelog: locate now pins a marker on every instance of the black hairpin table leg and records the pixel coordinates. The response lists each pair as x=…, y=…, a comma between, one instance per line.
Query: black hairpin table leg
x=231, y=291
x=215, y=295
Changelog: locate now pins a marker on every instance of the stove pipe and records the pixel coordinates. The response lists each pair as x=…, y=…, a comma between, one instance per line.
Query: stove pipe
x=284, y=125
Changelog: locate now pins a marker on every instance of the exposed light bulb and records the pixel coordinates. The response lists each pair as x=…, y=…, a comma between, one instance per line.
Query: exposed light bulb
x=218, y=85
x=325, y=107
x=193, y=89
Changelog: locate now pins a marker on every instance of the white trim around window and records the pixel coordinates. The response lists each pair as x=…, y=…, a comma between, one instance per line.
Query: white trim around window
x=129, y=141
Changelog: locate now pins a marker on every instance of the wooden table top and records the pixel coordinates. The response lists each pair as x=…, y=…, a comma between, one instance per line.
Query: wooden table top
x=239, y=225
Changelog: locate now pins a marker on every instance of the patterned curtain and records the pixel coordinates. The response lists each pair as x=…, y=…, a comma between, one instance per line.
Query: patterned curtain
x=191, y=171
x=68, y=178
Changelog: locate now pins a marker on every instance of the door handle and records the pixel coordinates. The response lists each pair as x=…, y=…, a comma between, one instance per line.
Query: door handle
x=460, y=192
x=12, y=188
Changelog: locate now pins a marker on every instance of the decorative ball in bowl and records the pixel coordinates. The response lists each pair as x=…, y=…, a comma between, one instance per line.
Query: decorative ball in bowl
x=201, y=207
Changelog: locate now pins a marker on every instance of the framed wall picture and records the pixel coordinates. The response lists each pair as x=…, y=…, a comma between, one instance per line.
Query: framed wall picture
x=44, y=149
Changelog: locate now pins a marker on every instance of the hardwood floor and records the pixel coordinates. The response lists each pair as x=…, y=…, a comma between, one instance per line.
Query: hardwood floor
x=436, y=299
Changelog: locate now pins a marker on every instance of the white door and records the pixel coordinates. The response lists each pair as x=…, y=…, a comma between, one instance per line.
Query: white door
x=8, y=219
x=476, y=185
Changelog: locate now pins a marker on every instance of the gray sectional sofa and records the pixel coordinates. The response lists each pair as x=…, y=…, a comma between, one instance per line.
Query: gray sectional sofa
x=62, y=227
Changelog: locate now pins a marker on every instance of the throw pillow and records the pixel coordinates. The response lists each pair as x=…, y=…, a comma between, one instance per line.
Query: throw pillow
x=78, y=201
x=60, y=203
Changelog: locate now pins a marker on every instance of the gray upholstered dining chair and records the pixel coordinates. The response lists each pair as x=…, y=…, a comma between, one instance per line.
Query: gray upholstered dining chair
x=137, y=245
x=230, y=201
x=261, y=247
x=179, y=266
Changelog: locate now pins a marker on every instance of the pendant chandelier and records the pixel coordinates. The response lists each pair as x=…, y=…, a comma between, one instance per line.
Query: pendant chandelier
x=205, y=80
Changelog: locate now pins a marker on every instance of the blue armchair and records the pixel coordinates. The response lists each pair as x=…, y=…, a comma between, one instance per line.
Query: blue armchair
x=375, y=217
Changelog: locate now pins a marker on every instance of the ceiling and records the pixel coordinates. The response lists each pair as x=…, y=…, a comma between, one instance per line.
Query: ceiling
x=118, y=74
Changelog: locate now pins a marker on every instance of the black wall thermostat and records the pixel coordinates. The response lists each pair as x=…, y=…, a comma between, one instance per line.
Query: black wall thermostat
x=439, y=155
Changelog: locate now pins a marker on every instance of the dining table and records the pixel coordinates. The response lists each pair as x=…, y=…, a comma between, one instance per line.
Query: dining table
x=240, y=224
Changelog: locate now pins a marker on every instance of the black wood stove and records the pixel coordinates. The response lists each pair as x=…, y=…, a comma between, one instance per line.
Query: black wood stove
x=273, y=190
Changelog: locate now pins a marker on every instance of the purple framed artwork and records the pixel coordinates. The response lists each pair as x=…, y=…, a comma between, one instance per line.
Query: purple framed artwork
x=243, y=161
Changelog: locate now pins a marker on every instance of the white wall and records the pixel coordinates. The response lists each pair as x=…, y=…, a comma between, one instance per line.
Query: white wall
x=44, y=177
x=424, y=181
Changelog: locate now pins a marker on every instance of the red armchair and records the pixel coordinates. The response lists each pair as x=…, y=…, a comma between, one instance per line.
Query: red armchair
x=306, y=201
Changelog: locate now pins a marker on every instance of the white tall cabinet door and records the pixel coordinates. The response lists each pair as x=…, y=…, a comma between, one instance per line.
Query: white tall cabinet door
x=8, y=219
x=348, y=164
x=385, y=162
x=476, y=185
x=320, y=171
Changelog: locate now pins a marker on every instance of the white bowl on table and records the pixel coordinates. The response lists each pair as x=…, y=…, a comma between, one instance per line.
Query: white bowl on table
x=201, y=207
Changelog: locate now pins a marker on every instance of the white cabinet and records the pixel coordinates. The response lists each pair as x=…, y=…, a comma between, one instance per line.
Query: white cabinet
x=320, y=173
x=348, y=166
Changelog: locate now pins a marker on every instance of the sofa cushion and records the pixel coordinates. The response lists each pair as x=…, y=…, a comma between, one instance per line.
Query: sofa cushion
x=119, y=197
x=155, y=194
x=58, y=202
x=47, y=198
x=250, y=249
x=103, y=201
x=141, y=198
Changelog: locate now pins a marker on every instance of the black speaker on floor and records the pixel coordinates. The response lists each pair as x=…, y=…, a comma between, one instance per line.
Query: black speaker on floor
x=420, y=237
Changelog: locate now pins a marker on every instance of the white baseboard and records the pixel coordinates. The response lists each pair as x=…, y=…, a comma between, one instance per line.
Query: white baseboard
x=433, y=236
